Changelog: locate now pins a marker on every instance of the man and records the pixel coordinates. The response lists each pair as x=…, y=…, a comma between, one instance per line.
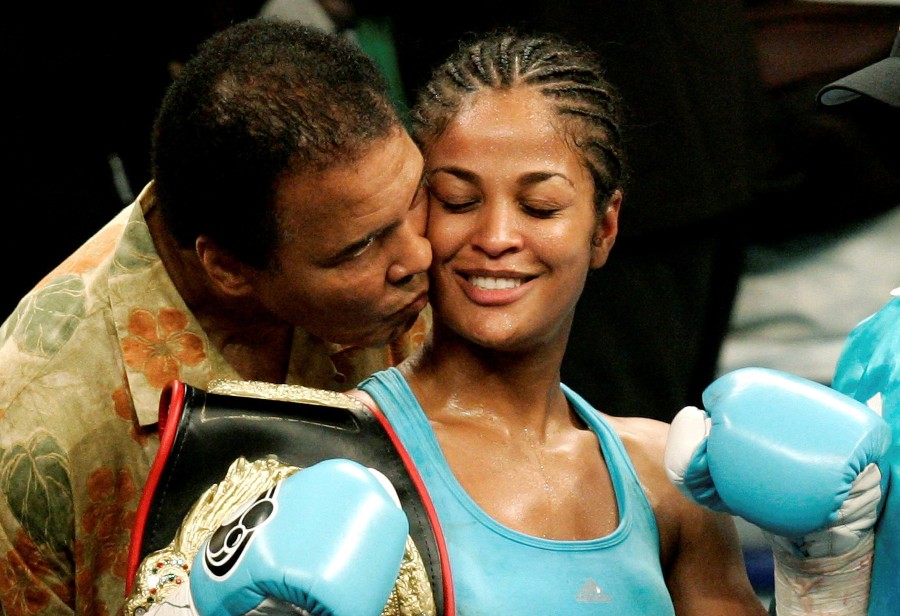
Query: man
x=280, y=240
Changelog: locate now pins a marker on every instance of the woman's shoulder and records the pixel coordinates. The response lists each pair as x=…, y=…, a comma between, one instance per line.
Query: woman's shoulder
x=640, y=433
x=645, y=442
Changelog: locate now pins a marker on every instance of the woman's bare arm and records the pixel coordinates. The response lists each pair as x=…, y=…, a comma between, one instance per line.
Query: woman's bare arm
x=700, y=550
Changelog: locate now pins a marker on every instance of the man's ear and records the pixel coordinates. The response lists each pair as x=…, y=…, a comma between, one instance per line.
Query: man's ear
x=227, y=274
x=605, y=232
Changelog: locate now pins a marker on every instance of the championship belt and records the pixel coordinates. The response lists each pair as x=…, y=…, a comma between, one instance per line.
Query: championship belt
x=249, y=431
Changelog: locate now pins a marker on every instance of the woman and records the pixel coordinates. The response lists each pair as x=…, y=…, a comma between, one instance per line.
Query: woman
x=546, y=504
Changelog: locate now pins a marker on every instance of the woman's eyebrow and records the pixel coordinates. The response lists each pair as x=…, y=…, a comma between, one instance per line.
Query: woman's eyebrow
x=459, y=172
x=528, y=179
x=536, y=177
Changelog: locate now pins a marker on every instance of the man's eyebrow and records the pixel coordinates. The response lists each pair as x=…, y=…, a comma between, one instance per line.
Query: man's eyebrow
x=354, y=247
x=350, y=249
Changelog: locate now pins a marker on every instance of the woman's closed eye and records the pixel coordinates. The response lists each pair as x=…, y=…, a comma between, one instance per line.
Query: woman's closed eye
x=456, y=205
x=540, y=210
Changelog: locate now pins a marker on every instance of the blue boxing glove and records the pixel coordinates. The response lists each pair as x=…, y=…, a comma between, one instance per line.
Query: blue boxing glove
x=799, y=460
x=787, y=454
x=328, y=539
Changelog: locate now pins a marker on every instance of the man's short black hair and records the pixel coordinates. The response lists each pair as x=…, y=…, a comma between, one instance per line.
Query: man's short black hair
x=259, y=99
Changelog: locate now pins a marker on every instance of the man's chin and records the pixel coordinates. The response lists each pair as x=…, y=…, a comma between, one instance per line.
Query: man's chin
x=390, y=336
x=387, y=332
x=373, y=339
x=407, y=325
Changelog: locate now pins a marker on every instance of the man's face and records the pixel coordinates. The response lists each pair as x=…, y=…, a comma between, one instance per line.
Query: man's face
x=353, y=256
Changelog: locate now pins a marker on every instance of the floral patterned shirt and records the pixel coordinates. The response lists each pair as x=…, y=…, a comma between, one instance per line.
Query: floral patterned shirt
x=83, y=360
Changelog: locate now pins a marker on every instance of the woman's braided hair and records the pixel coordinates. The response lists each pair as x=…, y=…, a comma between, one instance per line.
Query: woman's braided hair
x=570, y=75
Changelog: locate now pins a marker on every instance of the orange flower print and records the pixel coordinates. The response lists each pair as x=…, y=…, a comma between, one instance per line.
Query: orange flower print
x=108, y=520
x=19, y=592
x=122, y=404
x=125, y=409
x=86, y=584
x=159, y=345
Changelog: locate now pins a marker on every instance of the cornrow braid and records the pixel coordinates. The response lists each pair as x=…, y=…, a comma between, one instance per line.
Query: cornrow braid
x=571, y=76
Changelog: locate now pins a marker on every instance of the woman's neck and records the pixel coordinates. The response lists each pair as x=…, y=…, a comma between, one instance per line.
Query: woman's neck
x=454, y=379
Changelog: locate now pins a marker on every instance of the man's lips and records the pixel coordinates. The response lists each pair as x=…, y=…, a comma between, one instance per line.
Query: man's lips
x=418, y=304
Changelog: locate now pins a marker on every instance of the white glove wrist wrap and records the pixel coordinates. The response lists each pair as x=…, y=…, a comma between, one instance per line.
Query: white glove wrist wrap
x=826, y=586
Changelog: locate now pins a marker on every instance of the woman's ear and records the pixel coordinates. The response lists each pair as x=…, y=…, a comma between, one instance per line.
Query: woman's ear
x=606, y=230
x=227, y=274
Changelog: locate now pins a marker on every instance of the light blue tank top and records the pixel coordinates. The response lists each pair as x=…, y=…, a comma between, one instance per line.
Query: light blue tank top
x=497, y=571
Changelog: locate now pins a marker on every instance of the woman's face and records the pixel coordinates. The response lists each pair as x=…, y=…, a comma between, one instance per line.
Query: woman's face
x=511, y=222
